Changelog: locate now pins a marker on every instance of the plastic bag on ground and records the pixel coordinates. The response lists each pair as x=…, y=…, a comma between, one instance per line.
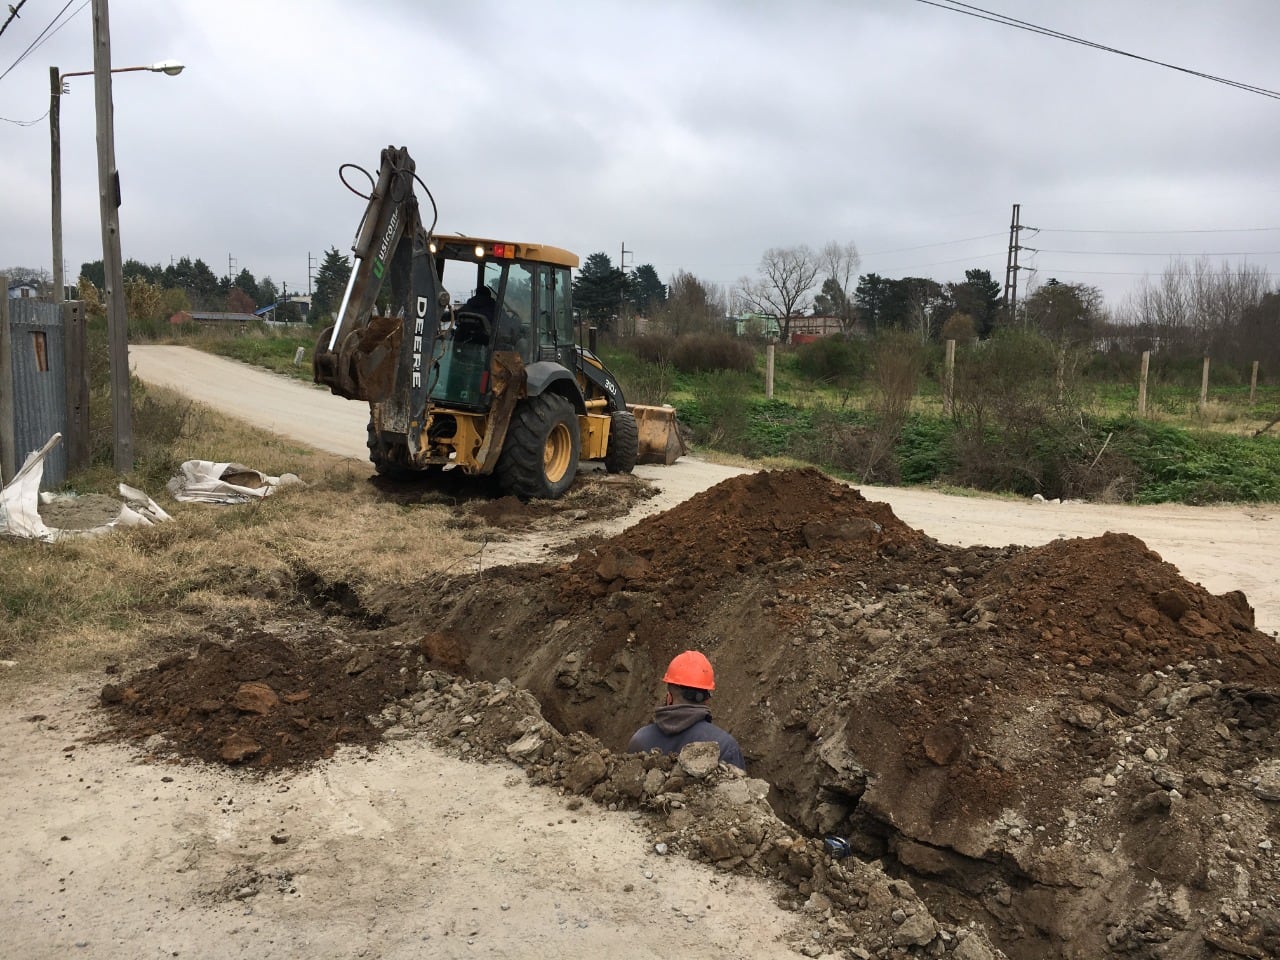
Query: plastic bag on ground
x=203, y=481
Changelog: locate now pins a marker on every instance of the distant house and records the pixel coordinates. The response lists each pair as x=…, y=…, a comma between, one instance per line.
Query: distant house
x=756, y=324
x=808, y=329
x=23, y=290
x=209, y=317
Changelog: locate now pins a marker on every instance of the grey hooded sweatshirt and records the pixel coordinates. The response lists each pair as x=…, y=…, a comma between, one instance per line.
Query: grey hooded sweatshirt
x=683, y=723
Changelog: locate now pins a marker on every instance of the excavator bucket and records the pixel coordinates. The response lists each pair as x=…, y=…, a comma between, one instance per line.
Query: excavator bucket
x=660, y=440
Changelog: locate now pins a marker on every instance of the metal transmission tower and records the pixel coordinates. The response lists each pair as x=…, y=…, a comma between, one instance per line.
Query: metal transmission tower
x=1011, y=265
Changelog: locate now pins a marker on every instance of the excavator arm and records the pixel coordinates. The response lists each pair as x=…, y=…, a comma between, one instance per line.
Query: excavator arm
x=363, y=355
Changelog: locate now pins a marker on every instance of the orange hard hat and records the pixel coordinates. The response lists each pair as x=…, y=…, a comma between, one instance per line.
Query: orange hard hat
x=691, y=669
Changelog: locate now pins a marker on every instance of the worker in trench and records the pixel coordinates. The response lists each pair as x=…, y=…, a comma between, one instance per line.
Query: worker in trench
x=685, y=718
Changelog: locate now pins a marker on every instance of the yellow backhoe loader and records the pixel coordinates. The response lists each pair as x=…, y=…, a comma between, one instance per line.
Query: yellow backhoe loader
x=493, y=384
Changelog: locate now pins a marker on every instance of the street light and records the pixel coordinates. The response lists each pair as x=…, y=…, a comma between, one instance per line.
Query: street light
x=57, y=88
x=109, y=202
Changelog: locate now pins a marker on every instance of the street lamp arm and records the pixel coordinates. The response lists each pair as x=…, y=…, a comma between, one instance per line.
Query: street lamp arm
x=170, y=68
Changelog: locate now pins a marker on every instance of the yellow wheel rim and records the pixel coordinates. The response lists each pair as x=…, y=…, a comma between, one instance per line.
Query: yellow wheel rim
x=557, y=453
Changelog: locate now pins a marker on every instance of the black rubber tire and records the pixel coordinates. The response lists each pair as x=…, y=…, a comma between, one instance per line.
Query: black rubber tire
x=539, y=459
x=624, y=443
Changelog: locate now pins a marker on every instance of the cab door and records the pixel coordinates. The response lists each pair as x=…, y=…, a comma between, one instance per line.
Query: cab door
x=555, y=315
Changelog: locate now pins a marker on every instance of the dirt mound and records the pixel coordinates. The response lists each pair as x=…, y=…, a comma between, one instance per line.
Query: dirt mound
x=259, y=699
x=734, y=528
x=1110, y=602
x=1069, y=746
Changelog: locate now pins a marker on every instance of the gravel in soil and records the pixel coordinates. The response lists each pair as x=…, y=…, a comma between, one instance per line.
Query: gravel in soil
x=1068, y=749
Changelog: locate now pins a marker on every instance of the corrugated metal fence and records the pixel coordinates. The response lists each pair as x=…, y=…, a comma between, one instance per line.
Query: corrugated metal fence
x=39, y=383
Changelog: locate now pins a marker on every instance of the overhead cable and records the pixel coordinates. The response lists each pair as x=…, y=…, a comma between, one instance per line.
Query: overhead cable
x=969, y=10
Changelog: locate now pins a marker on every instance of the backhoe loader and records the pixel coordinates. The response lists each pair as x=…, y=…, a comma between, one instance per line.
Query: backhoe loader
x=495, y=384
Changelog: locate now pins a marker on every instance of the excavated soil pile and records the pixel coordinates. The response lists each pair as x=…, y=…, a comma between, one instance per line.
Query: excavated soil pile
x=259, y=699
x=1068, y=748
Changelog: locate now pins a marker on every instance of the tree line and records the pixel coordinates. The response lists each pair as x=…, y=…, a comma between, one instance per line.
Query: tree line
x=155, y=292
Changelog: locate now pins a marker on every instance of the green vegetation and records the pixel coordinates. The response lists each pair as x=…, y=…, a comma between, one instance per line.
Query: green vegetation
x=1029, y=417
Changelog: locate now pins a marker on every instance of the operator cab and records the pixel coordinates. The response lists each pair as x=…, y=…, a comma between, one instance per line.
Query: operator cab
x=519, y=298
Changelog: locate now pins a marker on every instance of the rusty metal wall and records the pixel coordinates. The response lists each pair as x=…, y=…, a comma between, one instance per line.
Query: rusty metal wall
x=39, y=384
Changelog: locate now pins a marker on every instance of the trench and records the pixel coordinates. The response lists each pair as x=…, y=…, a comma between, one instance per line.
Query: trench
x=891, y=690
x=609, y=704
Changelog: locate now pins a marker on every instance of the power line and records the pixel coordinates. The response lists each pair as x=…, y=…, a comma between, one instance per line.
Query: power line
x=1143, y=253
x=1162, y=232
x=26, y=123
x=1124, y=273
x=955, y=6
x=45, y=34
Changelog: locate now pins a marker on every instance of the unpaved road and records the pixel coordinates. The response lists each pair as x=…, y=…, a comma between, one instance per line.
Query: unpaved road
x=409, y=854
x=1222, y=547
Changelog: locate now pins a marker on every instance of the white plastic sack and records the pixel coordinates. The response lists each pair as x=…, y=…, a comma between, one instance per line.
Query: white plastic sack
x=203, y=481
x=20, y=499
x=20, y=505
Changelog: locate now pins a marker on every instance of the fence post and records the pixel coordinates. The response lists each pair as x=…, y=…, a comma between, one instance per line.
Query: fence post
x=1253, y=381
x=75, y=343
x=949, y=380
x=1142, y=383
x=768, y=371
x=1204, y=385
x=8, y=439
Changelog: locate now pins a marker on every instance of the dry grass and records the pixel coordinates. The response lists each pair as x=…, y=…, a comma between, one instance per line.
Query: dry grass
x=83, y=604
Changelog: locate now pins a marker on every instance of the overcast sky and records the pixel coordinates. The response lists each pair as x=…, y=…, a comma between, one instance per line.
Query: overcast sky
x=697, y=133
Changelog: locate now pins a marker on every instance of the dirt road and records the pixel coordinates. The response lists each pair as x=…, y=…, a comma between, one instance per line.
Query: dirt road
x=1224, y=548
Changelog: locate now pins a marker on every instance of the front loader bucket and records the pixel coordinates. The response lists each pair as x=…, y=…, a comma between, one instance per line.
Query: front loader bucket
x=660, y=440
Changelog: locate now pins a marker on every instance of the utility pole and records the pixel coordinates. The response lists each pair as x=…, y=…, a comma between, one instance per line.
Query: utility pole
x=622, y=305
x=55, y=173
x=109, y=204
x=1011, y=265
x=311, y=262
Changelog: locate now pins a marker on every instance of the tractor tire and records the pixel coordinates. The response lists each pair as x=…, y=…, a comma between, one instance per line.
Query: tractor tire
x=540, y=456
x=624, y=443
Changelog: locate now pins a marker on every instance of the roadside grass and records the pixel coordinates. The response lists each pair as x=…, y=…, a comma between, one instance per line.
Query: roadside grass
x=257, y=344
x=83, y=604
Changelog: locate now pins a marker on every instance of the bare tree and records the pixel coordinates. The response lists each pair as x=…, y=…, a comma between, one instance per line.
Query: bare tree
x=840, y=263
x=1193, y=307
x=786, y=275
x=692, y=306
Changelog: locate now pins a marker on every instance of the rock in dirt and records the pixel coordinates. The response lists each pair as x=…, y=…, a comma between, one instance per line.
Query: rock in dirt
x=249, y=698
x=238, y=748
x=698, y=760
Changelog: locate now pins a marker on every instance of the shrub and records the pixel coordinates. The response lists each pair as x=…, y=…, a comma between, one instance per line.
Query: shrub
x=833, y=360
x=898, y=361
x=652, y=347
x=717, y=415
x=705, y=352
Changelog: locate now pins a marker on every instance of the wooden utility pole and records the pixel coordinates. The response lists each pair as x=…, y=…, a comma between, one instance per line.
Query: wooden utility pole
x=949, y=380
x=75, y=346
x=1011, y=265
x=8, y=428
x=622, y=305
x=1142, y=383
x=109, y=204
x=55, y=174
